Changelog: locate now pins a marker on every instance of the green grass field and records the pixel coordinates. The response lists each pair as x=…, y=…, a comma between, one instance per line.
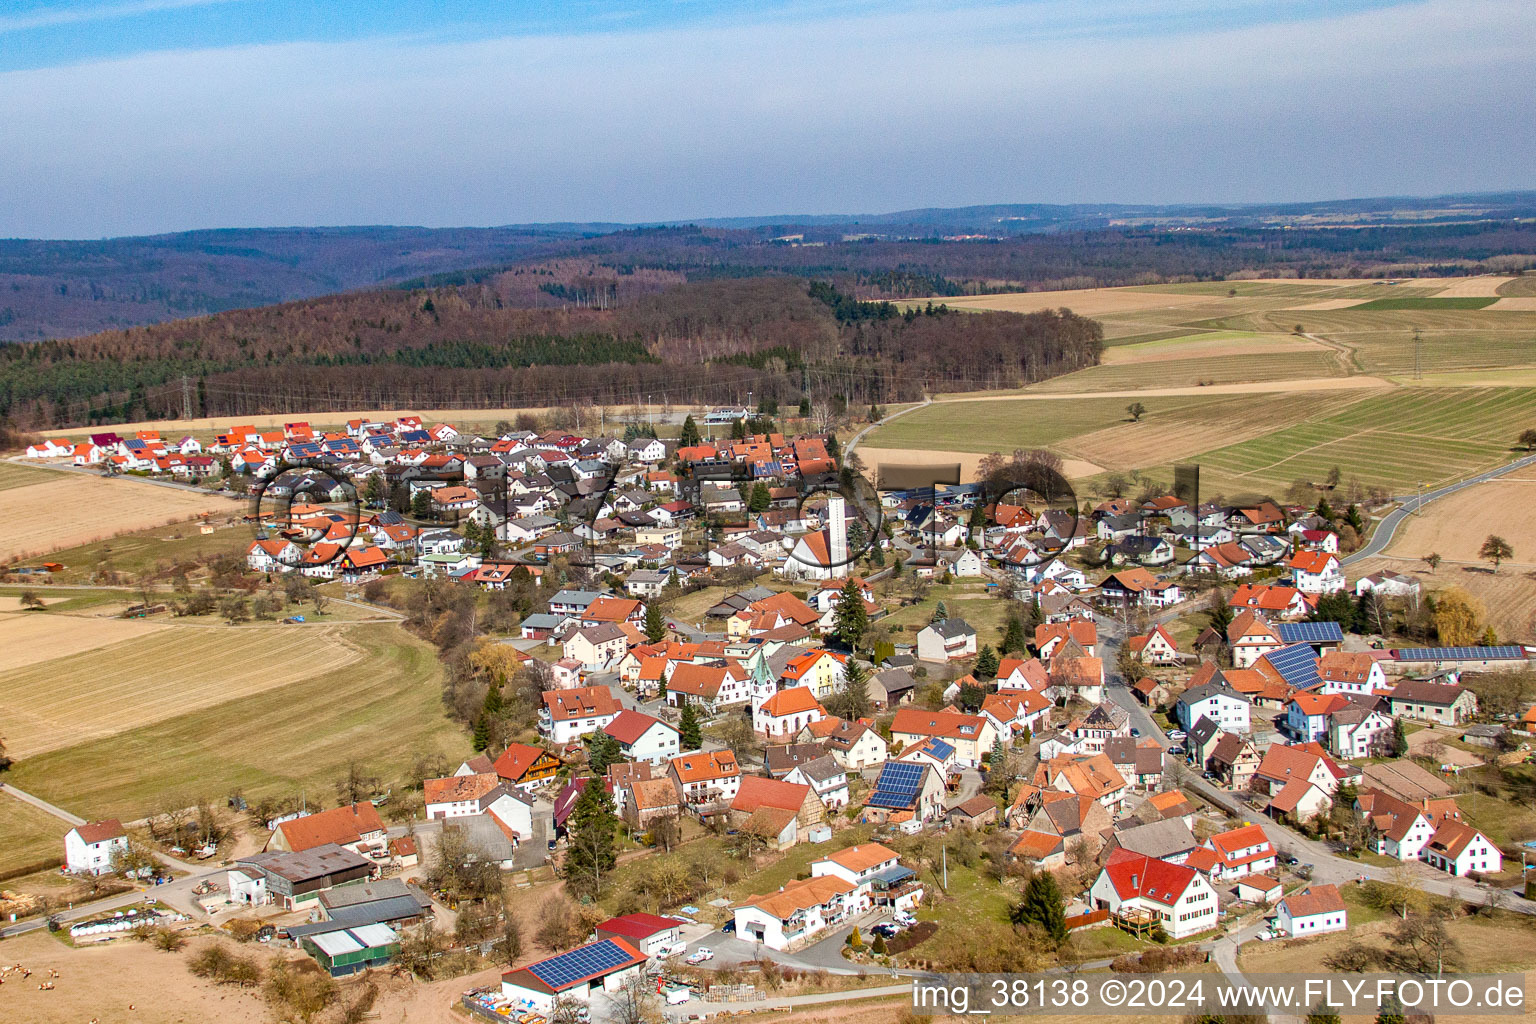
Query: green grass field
x=15, y=475
x=27, y=835
x=1172, y=373
x=1403, y=302
x=380, y=712
x=1005, y=425
x=1395, y=439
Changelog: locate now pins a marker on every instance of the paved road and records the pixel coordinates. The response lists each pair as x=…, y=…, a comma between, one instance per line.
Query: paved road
x=41, y=804
x=853, y=442
x=1387, y=528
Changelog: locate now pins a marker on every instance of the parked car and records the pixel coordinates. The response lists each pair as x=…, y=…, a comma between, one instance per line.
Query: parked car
x=701, y=955
x=887, y=930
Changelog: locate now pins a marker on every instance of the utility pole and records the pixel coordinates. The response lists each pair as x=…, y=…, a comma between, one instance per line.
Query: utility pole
x=1418, y=354
x=186, y=398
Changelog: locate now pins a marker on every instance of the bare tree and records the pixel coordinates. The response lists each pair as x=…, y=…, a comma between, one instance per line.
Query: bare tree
x=635, y=1002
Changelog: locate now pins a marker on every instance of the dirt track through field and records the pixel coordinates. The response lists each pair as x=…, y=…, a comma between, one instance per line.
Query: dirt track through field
x=81, y=695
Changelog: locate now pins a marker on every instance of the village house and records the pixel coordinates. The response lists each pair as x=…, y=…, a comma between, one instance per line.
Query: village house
x=1141, y=889
x=644, y=738
x=907, y=794
x=89, y=848
x=1215, y=700
x=827, y=778
x=855, y=745
x=1312, y=911
x=1433, y=702
x=568, y=715
x=706, y=778
x=596, y=647
x=1317, y=572
x=357, y=827
x=1155, y=648
x=1232, y=854
x=946, y=640
x=971, y=735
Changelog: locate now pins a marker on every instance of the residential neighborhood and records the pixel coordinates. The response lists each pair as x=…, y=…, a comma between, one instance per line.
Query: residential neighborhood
x=1204, y=746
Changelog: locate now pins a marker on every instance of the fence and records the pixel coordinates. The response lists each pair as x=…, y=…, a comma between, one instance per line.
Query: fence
x=1087, y=920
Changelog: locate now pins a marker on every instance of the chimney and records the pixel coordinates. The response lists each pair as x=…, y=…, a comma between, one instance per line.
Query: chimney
x=837, y=536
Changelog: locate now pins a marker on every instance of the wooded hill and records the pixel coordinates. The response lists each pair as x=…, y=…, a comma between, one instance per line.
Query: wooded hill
x=779, y=339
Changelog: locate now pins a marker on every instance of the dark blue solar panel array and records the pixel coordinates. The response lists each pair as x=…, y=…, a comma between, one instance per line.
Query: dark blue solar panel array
x=898, y=784
x=1297, y=665
x=584, y=962
x=943, y=751
x=1310, y=632
x=1459, y=653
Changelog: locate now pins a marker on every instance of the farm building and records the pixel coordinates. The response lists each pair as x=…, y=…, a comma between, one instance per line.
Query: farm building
x=346, y=951
x=601, y=966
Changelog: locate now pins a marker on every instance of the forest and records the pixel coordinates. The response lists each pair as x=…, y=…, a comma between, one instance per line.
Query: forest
x=776, y=339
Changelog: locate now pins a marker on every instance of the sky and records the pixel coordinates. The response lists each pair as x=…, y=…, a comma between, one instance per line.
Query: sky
x=121, y=117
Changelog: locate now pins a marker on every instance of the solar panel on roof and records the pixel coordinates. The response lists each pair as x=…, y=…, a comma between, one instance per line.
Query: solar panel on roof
x=583, y=962
x=1310, y=632
x=1459, y=653
x=1297, y=665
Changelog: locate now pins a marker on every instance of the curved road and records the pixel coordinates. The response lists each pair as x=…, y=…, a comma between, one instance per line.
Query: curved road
x=1381, y=538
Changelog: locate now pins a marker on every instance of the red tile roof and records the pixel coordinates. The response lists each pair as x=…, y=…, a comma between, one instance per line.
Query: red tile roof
x=340, y=825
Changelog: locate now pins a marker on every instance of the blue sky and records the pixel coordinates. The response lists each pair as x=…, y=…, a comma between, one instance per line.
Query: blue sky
x=137, y=116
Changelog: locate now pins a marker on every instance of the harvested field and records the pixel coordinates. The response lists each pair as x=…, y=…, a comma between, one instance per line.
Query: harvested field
x=100, y=982
x=1328, y=304
x=70, y=509
x=1297, y=360
x=169, y=672
x=1208, y=345
x=1522, y=304
x=27, y=835
x=1085, y=301
x=28, y=638
x=1007, y=423
x=1473, y=287
x=1455, y=526
x=382, y=709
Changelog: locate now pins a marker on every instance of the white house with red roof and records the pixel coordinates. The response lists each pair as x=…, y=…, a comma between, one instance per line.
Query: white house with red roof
x=570, y=714
x=88, y=848
x=1312, y=911
x=1350, y=672
x=1459, y=849
x=1155, y=648
x=1235, y=853
x=1135, y=886
x=785, y=713
x=1270, y=600
x=643, y=738
x=651, y=934
x=1014, y=711
x=275, y=554
x=1317, y=572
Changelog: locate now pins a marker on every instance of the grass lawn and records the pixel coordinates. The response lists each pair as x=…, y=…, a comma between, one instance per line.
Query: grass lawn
x=1506, y=942
x=28, y=835
x=13, y=475
x=381, y=712
x=150, y=550
x=987, y=613
x=1508, y=818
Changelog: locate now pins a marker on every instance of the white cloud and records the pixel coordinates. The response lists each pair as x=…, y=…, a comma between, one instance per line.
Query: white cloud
x=850, y=114
x=53, y=17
